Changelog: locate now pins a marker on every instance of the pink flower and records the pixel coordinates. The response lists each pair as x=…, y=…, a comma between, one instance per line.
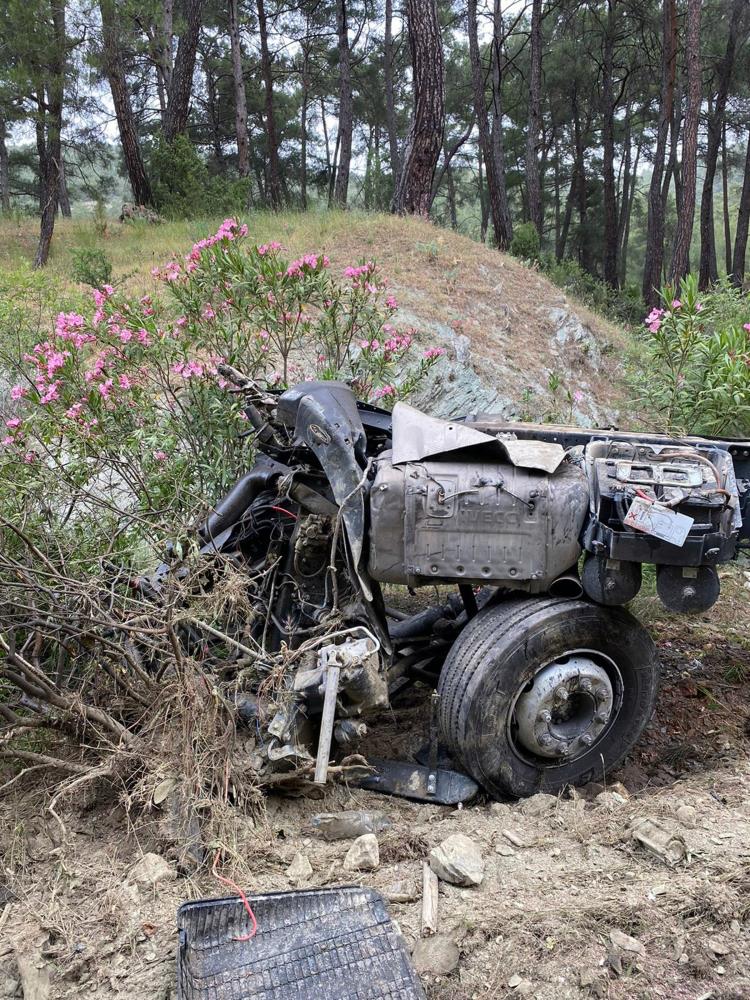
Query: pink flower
x=391, y=302
x=208, y=312
x=19, y=392
x=51, y=394
x=699, y=307
x=432, y=353
x=7, y=441
x=29, y=457
x=125, y=382
x=13, y=423
x=578, y=396
x=144, y=338
x=746, y=326
x=106, y=388
x=74, y=411
x=384, y=391
x=160, y=456
x=126, y=335
x=676, y=304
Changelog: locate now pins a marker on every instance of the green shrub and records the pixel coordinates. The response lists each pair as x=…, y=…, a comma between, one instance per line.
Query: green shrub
x=695, y=371
x=525, y=243
x=182, y=186
x=623, y=305
x=92, y=266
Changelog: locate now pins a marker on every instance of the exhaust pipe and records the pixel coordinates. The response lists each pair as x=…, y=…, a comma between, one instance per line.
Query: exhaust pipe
x=566, y=585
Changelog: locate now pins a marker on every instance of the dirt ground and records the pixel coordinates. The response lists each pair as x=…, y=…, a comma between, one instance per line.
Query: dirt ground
x=560, y=874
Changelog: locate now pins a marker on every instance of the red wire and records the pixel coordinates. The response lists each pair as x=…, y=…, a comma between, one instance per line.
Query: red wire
x=233, y=885
x=281, y=510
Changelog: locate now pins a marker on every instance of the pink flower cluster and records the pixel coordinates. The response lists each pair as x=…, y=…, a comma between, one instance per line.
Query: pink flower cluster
x=384, y=392
x=653, y=320
x=310, y=262
x=362, y=277
x=266, y=248
x=189, y=369
x=432, y=353
x=70, y=326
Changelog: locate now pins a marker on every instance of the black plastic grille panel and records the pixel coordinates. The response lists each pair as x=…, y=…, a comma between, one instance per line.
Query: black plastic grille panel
x=316, y=944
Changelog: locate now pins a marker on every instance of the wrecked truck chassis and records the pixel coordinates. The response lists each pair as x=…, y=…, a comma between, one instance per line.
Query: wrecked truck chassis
x=542, y=677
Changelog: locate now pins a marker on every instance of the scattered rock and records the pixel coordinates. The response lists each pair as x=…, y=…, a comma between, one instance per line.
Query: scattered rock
x=35, y=974
x=538, y=805
x=619, y=789
x=436, y=955
x=521, y=987
x=624, y=953
x=139, y=213
x=626, y=943
x=458, y=860
x=152, y=868
x=349, y=824
x=300, y=869
x=516, y=839
x=649, y=833
x=718, y=946
x=610, y=799
x=363, y=855
x=504, y=851
x=687, y=815
x=400, y=892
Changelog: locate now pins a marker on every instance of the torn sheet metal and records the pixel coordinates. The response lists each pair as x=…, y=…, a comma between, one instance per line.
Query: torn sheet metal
x=661, y=522
x=417, y=436
x=545, y=456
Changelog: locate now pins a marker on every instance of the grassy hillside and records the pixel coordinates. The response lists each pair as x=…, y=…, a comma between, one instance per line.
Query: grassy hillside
x=515, y=343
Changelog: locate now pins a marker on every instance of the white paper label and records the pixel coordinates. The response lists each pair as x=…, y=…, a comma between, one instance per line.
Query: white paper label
x=654, y=519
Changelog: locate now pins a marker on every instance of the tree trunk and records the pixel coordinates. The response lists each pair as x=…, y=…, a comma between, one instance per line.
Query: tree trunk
x=485, y=139
x=498, y=137
x=655, y=228
x=625, y=238
x=63, y=198
x=725, y=201
x=390, y=89
x=181, y=83
x=451, y=186
x=167, y=23
x=114, y=69
x=346, y=106
x=414, y=190
x=610, y=270
x=273, y=166
x=683, y=236
x=53, y=120
x=565, y=228
x=240, y=97
x=708, y=272
x=212, y=101
x=743, y=222
x=483, y=207
x=581, y=187
x=41, y=143
x=533, y=184
x=304, y=113
x=4, y=170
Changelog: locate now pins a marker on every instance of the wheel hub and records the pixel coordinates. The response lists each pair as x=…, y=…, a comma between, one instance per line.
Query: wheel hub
x=566, y=709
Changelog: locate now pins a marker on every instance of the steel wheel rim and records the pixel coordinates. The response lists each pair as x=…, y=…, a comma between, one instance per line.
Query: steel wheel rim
x=556, y=731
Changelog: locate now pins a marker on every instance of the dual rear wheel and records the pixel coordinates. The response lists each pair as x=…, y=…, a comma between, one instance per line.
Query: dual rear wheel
x=541, y=693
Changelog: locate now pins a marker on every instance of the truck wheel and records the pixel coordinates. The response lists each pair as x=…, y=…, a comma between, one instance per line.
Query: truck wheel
x=542, y=693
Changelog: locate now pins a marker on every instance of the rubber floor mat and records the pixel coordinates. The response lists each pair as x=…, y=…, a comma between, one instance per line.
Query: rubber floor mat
x=316, y=944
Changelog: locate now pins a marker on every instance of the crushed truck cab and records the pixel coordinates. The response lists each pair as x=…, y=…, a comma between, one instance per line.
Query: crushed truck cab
x=542, y=677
